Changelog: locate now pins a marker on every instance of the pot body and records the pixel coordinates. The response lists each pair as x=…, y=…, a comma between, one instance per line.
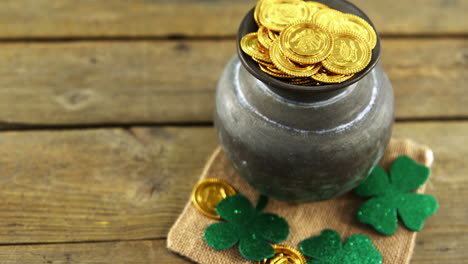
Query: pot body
x=303, y=146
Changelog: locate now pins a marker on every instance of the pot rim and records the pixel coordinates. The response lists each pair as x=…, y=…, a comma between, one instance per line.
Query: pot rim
x=248, y=25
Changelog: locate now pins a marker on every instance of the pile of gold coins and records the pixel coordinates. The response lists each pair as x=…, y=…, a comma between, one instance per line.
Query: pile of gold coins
x=308, y=43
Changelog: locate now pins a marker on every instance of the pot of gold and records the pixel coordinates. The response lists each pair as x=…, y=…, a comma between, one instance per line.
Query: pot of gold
x=303, y=110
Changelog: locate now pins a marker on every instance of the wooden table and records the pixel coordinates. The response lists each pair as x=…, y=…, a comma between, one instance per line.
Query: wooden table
x=106, y=119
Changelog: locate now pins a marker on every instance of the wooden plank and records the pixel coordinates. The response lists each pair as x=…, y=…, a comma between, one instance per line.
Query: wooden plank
x=142, y=18
x=174, y=81
x=88, y=185
x=154, y=251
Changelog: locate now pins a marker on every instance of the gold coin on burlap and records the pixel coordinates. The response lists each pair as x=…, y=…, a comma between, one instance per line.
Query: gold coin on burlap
x=208, y=193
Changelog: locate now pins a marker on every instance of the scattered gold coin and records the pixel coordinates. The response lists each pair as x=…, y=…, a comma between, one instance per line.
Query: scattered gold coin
x=208, y=193
x=308, y=43
x=284, y=255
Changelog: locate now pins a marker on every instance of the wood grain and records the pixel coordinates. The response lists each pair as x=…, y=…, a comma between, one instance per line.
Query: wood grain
x=85, y=83
x=114, y=184
x=143, y=18
x=88, y=185
x=154, y=251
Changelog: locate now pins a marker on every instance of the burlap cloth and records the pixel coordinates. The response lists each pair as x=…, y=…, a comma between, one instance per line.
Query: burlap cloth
x=186, y=236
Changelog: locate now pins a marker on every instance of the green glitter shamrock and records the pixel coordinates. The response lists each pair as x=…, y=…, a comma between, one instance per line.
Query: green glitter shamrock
x=327, y=248
x=391, y=196
x=248, y=226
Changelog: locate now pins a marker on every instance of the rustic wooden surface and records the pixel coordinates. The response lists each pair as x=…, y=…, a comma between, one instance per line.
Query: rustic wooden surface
x=105, y=119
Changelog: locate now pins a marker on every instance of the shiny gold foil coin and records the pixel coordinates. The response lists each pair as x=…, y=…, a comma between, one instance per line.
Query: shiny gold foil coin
x=277, y=14
x=284, y=255
x=274, y=72
x=328, y=18
x=314, y=7
x=273, y=34
x=325, y=76
x=288, y=66
x=208, y=193
x=264, y=63
x=358, y=26
x=302, y=81
x=257, y=11
x=250, y=45
x=306, y=42
x=350, y=54
x=264, y=37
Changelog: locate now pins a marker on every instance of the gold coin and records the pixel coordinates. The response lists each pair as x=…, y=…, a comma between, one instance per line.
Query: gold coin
x=284, y=255
x=288, y=66
x=301, y=81
x=328, y=77
x=208, y=193
x=327, y=18
x=273, y=34
x=277, y=14
x=264, y=63
x=264, y=37
x=258, y=6
x=358, y=26
x=250, y=45
x=306, y=42
x=350, y=54
x=274, y=72
x=314, y=7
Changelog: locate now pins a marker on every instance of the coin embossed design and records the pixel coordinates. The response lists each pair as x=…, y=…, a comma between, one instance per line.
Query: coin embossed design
x=350, y=54
x=250, y=45
x=306, y=42
x=284, y=255
x=288, y=66
x=208, y=193
x=276, y=15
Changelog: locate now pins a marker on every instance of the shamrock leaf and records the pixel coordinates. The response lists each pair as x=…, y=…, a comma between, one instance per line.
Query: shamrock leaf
x=327, y=248
x=247, y=226
x=391, y=197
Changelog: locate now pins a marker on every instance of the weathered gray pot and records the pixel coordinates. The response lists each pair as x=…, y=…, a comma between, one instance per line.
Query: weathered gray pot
x=299, y=143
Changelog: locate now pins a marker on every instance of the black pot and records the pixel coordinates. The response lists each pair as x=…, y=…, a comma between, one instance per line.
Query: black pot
x=303, y=143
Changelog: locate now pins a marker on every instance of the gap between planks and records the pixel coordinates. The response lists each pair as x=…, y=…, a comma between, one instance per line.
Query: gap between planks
x=197, y=38
x=5, y=127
